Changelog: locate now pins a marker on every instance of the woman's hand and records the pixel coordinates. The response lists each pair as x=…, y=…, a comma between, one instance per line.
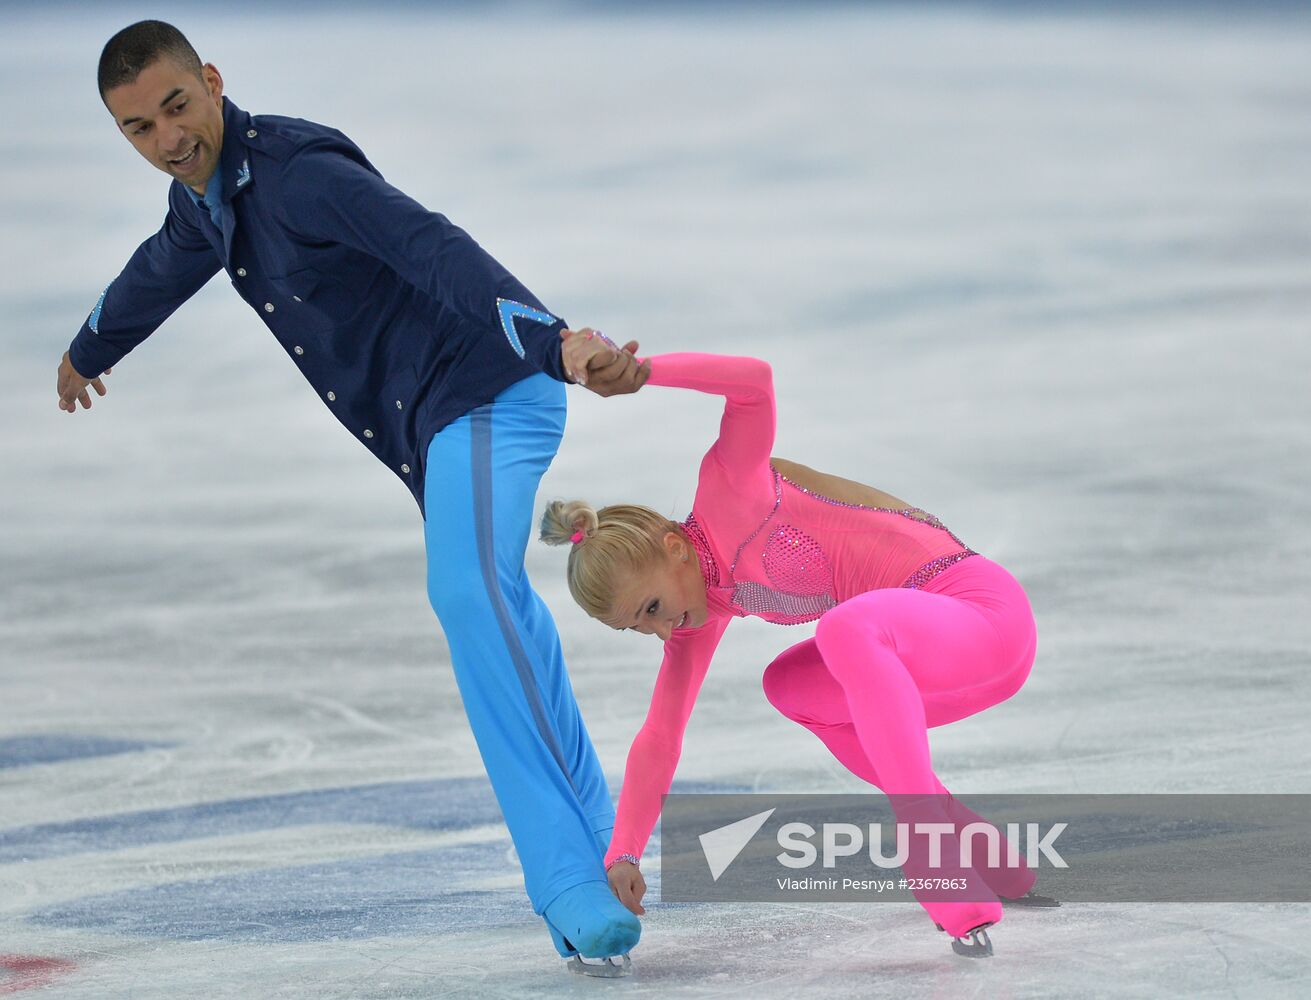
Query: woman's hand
x=591, y=357
x=627, y=884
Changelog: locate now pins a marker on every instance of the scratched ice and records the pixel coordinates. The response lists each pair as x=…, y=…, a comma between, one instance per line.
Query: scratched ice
x=1043, y=273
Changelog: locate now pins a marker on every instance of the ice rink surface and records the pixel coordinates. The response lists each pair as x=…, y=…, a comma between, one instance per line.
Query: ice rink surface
x=1045, y=272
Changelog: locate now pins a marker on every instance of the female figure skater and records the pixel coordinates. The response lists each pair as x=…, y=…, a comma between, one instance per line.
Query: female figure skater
x=915, y=629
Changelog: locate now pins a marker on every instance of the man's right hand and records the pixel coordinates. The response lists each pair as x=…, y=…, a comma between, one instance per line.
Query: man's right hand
x=602, y=366
x=72, y=386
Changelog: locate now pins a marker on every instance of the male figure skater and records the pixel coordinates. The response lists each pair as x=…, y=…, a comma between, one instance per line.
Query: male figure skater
x=439, y=362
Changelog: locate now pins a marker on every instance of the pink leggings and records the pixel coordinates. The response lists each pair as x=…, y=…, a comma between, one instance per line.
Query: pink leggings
x=888, y=664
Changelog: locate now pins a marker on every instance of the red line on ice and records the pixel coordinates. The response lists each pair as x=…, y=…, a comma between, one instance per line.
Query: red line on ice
x=30, y=971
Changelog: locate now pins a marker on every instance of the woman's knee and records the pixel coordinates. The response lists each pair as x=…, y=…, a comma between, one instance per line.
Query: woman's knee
x=777, y=686
x=790, y=676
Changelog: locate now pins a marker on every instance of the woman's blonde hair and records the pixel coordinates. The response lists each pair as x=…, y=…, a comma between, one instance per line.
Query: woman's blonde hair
x=612, y=543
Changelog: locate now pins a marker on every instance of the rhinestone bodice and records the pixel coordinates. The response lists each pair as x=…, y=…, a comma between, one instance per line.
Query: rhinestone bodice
x=794, y=576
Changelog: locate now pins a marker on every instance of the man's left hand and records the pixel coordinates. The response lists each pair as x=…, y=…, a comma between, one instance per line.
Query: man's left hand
x=71, y=386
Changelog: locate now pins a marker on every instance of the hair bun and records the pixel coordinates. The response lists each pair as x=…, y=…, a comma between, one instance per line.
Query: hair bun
x=562, y=522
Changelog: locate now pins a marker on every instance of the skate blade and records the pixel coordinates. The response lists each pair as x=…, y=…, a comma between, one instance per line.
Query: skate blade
x=1031, y=899
x=615, y=967
x=975, y=944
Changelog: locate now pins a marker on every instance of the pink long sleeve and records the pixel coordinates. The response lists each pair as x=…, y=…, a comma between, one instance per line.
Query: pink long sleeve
x=656, y=748
x=746, y=432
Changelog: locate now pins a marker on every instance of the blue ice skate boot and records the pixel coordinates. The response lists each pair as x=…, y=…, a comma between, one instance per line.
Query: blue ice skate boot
x=588, y=921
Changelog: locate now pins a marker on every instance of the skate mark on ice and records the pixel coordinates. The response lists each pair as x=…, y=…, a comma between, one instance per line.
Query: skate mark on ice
x=51, y=748
x=359, y=719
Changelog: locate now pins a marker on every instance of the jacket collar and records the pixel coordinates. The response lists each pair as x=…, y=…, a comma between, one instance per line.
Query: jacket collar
x=234, y=160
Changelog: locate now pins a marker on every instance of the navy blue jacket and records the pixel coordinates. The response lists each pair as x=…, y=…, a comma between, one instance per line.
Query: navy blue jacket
x=395, y=316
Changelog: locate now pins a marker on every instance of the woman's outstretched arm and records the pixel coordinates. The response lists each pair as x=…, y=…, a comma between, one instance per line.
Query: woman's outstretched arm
x=658, y=744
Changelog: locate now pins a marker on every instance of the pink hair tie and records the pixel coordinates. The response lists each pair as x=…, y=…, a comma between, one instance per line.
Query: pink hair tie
x=577, y=536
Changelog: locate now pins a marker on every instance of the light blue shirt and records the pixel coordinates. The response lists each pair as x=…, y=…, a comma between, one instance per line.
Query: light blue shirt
x=213, y=196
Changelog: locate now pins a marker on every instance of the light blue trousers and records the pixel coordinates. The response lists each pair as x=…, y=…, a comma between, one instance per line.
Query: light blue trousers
x=482, y=478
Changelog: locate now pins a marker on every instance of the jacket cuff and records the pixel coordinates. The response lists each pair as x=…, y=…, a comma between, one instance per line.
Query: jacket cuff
x=90, y=356
x=553, y=361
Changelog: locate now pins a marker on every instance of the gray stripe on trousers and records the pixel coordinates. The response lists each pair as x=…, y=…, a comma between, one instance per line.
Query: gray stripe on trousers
x=481, y=444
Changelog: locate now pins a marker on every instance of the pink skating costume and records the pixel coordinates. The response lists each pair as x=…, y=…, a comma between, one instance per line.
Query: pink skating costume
x=915, y=630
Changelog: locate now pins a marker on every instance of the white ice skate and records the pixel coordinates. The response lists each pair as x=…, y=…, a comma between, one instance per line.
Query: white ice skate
x=974, y=943
x=1030, y=898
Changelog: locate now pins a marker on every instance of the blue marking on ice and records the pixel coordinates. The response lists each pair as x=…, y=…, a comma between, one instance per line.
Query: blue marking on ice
x=416, y=893
x=49, y=748
x=442, y=891
x=445, y=804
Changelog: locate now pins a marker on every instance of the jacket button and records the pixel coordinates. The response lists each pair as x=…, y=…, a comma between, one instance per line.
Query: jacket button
x=398, y=405
x=251, y=134
x=298, y=349
x=332, y=396
x=241, y=272
x=268, y=307
x=368, y=433
x=295, y=298
x=405, y=469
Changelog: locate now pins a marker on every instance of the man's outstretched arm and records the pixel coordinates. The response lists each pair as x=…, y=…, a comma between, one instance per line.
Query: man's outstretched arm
x=164, y=272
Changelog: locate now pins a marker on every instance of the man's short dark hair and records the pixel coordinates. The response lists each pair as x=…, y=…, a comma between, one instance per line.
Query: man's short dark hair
x=136, y=47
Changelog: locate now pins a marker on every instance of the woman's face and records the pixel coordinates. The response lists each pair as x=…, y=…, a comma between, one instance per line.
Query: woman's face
x=668, y=595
